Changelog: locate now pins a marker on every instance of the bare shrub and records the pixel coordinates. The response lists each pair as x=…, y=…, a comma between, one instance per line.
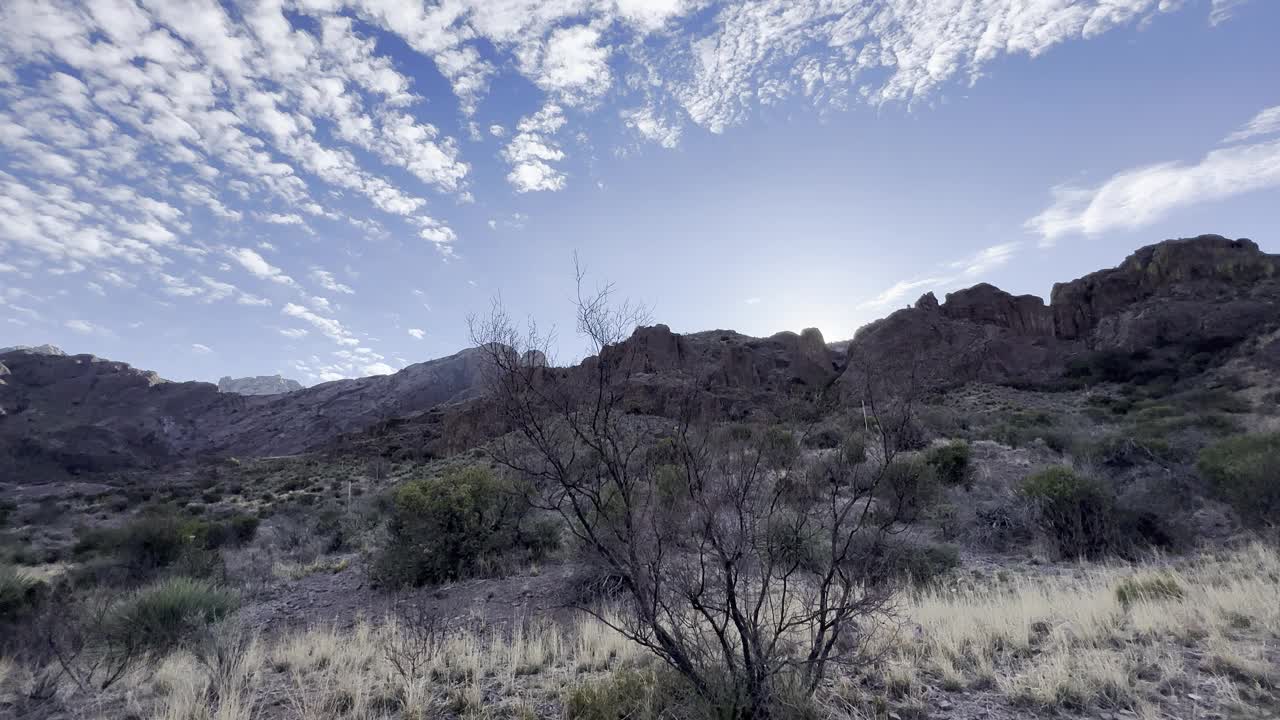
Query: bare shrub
x=746, y=569
x=411, y=646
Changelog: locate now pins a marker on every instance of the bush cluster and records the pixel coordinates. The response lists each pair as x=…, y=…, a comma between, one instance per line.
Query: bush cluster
x=460, y=524
x=158, y=540
x=1077, y=513
x=167, y=615
x=1245, y=472
x=19, y=595
x=908, y=487
x=951, y=463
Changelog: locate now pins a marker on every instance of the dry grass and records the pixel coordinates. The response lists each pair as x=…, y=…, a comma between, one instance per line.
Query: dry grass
x=1038, y=641
x=331, y=674
x=1116, y=637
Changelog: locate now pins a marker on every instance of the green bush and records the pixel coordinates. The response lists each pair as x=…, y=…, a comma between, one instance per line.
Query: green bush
x=778, y=447
x=920, y=564
x=1077, y=513
x=158, y=540
x=457, y=525
x=1157, y=587
x=907, y=488
x=167, y=614
x=1245, y=471
x=951, y=463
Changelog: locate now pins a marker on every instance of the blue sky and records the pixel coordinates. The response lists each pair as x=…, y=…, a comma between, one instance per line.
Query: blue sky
x=326, y=188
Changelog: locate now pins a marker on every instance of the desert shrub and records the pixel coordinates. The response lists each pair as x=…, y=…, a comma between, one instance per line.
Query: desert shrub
x=854, y=449
x=1155, y=587
x=1076, y=513
x=778, y=447
x=144, y=545
x=158, y=540
x=166, y=615
x=1021, y=428
x=629, y=694
x=19, y=595
x=1001, y=525
x=1245, y=471
x=823, y=438
x=919, y=563
x=903, y=431
x=457, y=525
x=951, y=463
x=908, y=488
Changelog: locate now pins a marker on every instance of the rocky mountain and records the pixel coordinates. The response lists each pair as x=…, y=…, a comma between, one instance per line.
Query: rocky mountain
x=1175, y=300
x=258, y=385
x=80, y=413
x=45, y=349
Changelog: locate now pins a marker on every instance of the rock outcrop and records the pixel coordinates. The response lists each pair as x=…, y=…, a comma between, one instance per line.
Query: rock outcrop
x=45, y=349
x=1185, y=295
x=258, y=385
x=1207, y=289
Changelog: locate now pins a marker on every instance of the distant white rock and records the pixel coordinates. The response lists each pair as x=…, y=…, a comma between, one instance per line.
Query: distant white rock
x=45, y=349
x=260, y=385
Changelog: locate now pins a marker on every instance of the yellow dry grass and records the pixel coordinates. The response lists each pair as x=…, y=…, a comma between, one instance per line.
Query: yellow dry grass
x=1061, y=638
x=1070, y=641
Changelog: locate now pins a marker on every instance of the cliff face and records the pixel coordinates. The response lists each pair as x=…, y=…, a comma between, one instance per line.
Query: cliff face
x=1193, y=293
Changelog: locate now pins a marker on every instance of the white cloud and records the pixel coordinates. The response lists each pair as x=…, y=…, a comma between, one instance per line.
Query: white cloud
x=899, y=290
x=1264, y=123
x=328, y=282
x=331, y=328
x=378, y=368
x=200, y=349
x=81, y=327
x=1138, y=197
x=497, y=130
x=417, y=334
x=1223, y=10
x=570, y=64
x=283, y=219
x=294, y=333
x=964, y=271
x=259, y=267
x=986, y=259
x=752, y=301
x=533, y=149
x=651, y=127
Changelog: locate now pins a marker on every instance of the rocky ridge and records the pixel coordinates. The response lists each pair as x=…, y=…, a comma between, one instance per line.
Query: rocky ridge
x=1178, y=296
x=258, y=385
x=81, y=413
